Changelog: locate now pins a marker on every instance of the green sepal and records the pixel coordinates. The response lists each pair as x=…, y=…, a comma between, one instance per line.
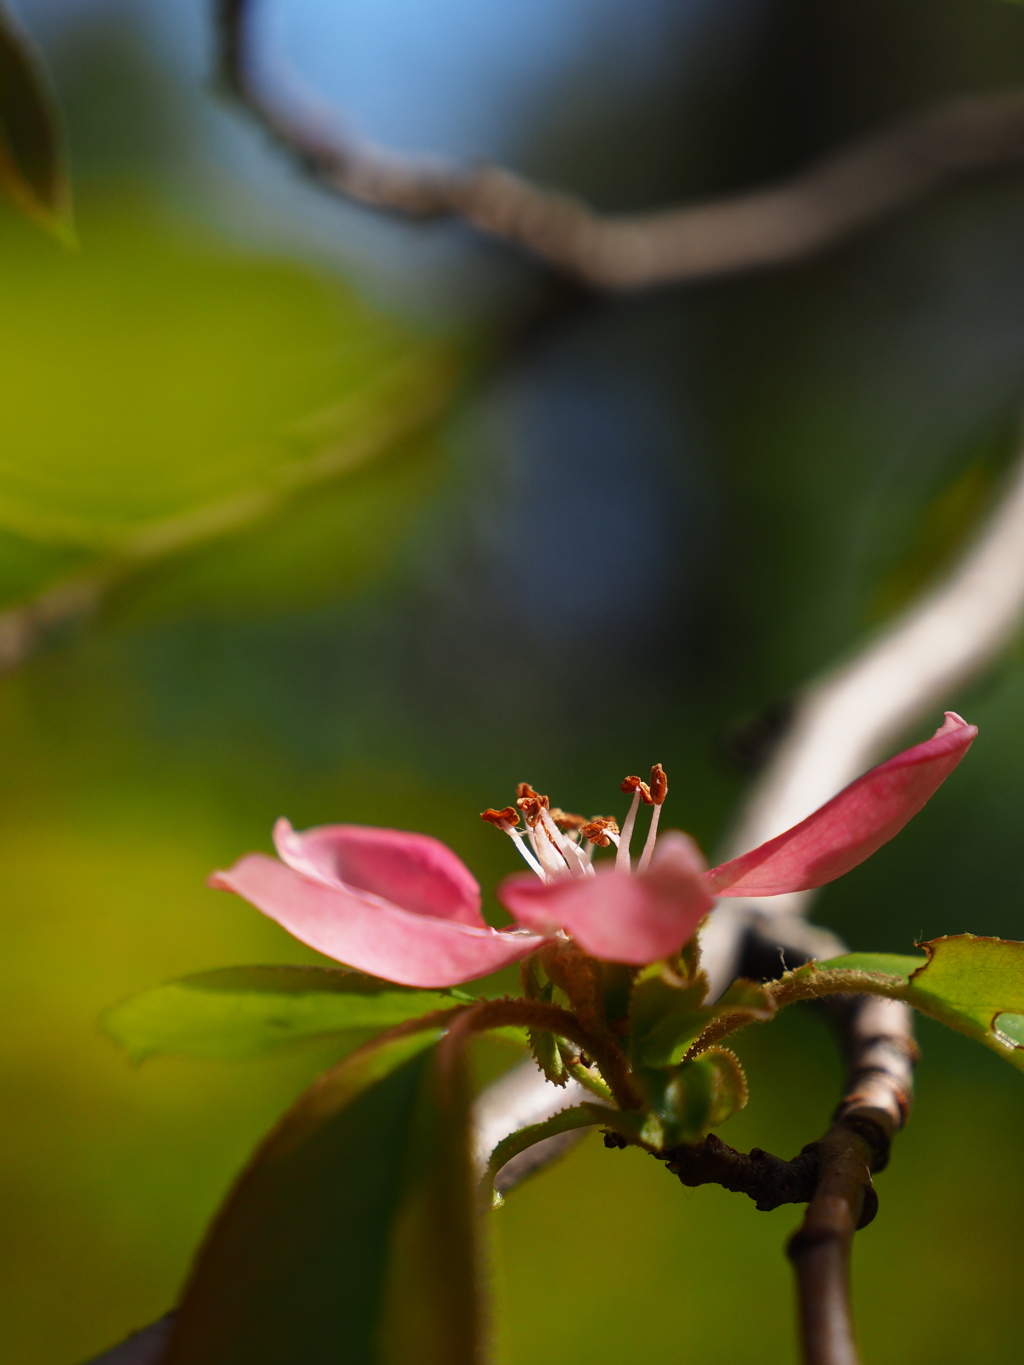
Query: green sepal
x=668, y=1014
x=547, y=1052
x=578, y=1116
x=548, y=1055
x=683, y=1103
x=239, y=1012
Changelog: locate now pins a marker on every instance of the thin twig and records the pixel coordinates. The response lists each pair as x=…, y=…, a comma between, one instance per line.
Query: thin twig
x=790, y=221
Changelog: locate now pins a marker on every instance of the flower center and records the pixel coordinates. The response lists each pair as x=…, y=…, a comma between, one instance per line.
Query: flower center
x=556, y=844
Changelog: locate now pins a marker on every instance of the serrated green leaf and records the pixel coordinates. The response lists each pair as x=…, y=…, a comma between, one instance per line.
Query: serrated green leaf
x=974, y=985
x=971, y=984
x=548, y=1056
x=33, y=169
x=565, y=1121
x=902, y=965
x=239, y=1012
x=352, y=1234
x=666, y=1017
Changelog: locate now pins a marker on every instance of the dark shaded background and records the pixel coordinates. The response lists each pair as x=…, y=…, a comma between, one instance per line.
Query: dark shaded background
x=642, y=523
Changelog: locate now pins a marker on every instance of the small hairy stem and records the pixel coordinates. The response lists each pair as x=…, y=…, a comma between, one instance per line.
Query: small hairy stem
x=603, y=1050
x=793, y=988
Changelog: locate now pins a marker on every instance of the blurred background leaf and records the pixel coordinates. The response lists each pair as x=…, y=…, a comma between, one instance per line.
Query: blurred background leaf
x=164, y=395
x=33, y=173
x=350, y=1234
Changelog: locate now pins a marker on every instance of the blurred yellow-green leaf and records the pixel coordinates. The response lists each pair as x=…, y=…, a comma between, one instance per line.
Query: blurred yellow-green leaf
x=162, y=397
x=237, y=1012
x=33, y=172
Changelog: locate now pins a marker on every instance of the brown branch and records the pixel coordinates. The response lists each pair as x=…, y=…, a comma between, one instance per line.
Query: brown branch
x=843, y=1201
x=768, y=1180
x=881, y=1054
x=789, y=221
x=832, y=1176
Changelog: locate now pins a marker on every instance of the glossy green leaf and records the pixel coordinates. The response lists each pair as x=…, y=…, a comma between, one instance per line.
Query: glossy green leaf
x=33, y=171
x=974, y=985
x=239, y=1012
x=352, y=1235
x=667, y=1015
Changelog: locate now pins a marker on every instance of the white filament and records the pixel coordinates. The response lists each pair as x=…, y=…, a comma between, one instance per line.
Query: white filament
x=622, y=863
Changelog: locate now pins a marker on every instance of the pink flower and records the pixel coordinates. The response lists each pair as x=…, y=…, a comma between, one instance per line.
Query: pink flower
x=402, y=906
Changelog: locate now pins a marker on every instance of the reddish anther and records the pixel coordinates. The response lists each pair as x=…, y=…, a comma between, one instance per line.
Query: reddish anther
x=501, y=819
x=632, y=785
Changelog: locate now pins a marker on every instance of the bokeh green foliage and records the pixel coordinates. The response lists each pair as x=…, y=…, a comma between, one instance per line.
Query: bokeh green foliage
x=163, y=399
x=242, y=681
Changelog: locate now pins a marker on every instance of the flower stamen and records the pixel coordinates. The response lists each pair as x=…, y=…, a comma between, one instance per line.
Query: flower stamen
x=641, y=792
x=601, y=831
x=658, y=790
x=564, y=843
x=568, y=848
x=506, y=820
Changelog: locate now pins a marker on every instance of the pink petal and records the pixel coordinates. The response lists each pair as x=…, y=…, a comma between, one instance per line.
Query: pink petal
x=614, y=915
x=414, y=871
x=368, y=933
x=851, y=826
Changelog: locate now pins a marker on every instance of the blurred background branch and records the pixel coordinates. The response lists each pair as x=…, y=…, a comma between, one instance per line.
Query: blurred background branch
x=838, y=196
